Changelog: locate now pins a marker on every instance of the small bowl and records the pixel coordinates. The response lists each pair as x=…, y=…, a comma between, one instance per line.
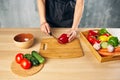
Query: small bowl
x=24, y=40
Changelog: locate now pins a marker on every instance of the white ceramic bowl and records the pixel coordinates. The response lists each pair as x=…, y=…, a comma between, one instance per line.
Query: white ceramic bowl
x=24, y=40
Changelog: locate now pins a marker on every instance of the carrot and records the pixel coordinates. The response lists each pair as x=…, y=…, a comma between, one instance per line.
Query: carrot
x=104, y=52
x=117, y=49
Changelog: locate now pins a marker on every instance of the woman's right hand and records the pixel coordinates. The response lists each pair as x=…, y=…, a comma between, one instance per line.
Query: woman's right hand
x=45, y=27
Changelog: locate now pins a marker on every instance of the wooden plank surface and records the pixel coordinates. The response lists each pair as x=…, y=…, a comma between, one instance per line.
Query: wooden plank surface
x=83, y=68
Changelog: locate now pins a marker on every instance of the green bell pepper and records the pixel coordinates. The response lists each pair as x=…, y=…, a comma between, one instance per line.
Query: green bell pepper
x=113, y=41
x=34, y=61
x=103, y=31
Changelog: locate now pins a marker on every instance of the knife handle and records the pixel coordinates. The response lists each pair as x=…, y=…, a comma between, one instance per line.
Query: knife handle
x=50, y=33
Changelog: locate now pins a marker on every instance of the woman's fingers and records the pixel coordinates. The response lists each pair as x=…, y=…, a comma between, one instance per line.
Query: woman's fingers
x=72, y=35
x=45, y=28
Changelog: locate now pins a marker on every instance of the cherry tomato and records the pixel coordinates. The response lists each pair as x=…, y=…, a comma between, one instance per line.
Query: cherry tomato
x=92, y=33
x=19, y=57
x=63, y=39
x=25, y=64
x=93, y=40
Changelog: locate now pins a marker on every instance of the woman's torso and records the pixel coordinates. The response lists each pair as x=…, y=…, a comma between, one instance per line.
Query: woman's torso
x=59, y=13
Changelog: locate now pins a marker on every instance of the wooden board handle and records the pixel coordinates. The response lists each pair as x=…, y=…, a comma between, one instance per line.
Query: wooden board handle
x=43, y=46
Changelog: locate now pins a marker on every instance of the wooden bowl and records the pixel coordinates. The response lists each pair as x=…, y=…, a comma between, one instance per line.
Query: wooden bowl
x=24, y=40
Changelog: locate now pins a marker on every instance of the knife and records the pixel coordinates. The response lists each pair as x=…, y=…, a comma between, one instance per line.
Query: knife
x=51, y=34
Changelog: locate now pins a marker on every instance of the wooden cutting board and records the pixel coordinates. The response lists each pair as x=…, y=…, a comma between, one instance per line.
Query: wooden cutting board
x=17, y=69
x=50, y=48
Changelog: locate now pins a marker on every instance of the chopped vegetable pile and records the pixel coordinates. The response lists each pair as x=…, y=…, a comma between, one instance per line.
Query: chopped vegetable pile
x=102, y=39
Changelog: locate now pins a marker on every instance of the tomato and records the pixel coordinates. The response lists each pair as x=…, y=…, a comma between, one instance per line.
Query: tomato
x=25, y=64
x=92, y=33
x=63, y=39
x=92, y=39
x=19, y=57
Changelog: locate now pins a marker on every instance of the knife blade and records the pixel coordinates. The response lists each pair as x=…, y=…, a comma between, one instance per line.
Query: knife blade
x=51, y=34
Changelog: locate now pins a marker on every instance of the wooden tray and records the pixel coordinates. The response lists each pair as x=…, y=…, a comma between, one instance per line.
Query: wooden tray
x=94, y=52
x=50, y=48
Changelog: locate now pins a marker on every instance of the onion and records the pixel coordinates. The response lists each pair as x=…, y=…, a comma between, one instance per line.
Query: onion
x=97, y=46
x=110, y=48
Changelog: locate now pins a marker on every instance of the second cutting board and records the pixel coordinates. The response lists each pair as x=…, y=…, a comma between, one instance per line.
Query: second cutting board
x=50, y=48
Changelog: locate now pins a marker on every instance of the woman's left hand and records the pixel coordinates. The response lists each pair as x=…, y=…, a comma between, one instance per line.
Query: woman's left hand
x=72, y=33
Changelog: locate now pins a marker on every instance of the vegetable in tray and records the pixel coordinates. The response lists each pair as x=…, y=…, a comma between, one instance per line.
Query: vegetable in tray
x=102, y=39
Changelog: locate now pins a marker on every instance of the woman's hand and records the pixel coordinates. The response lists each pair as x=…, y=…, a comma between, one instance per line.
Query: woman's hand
x=45, y=27
x=72, y=33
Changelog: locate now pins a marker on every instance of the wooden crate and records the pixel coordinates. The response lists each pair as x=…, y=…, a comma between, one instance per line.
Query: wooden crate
x=95, y=52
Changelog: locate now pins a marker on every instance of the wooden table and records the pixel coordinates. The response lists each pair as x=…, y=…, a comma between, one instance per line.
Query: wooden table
x=83, y=68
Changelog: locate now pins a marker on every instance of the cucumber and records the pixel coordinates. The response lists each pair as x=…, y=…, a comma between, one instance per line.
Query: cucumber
x=32, y=59
x=38, y=57
x=104, y=44
x=28, y=56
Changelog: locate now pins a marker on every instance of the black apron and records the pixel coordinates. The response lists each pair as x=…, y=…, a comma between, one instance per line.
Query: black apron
x=60, y=13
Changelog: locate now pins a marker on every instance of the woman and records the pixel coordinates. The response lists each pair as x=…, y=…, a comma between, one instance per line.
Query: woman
x=60, y=13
